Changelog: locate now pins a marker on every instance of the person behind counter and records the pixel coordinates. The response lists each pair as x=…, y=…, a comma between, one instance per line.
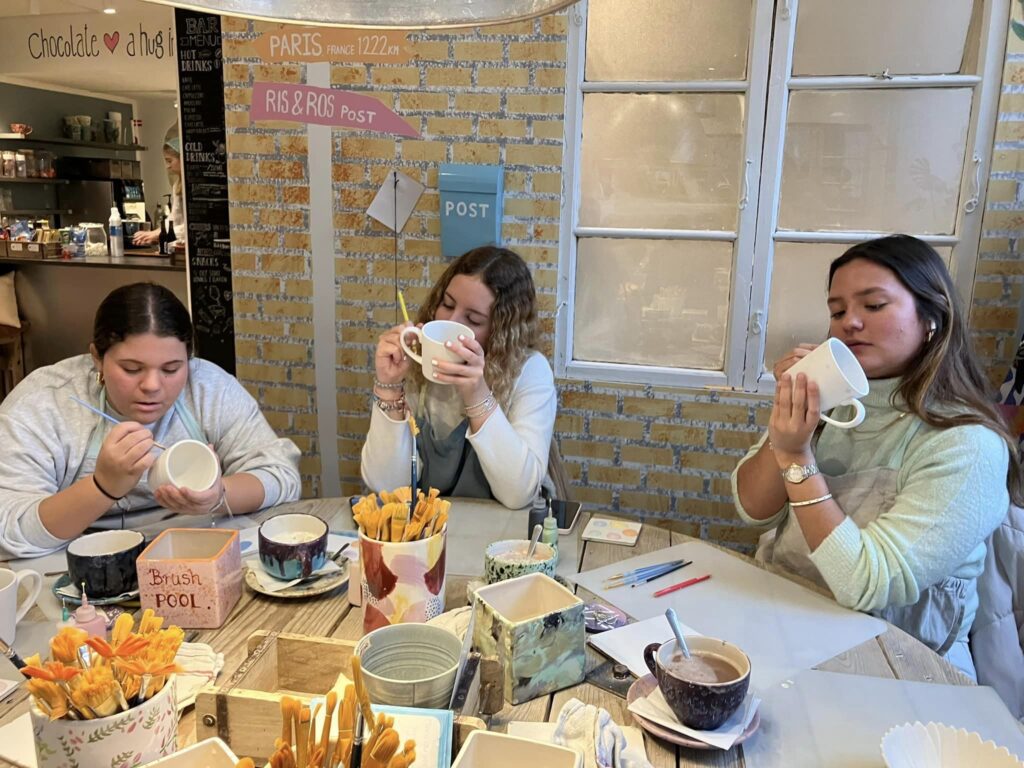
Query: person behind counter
x=485, y=424
x=63, y=469
x=892, y=515
x=172, y=162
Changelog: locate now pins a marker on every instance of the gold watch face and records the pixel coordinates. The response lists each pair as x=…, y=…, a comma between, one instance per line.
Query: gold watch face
x=794, y=473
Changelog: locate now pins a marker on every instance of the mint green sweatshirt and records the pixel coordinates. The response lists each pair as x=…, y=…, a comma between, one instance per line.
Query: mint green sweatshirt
x=951, y=494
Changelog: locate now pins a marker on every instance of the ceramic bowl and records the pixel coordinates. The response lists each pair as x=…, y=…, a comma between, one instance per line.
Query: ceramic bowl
x=208, y=753
x=915, y=745
x=23, y=128
x=700, y=705
x=505, y=560
x=292, y=545
x=186, y=464
x=410, y=665
x=487, y=749
x=105, y=561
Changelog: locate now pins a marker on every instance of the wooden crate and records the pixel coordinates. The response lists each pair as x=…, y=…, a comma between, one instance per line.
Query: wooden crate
x=245, y=709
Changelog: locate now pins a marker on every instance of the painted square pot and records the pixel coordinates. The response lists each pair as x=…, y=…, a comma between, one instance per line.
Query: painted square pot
x=192, y=576
x=402, y=581
x=534, y=626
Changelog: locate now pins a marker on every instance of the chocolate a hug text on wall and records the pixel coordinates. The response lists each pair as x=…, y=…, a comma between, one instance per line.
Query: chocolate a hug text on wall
x=205, y=175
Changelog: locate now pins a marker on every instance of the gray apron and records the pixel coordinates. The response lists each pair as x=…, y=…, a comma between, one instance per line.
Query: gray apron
x=135, y=499
x=935, y=619
x=451, y=465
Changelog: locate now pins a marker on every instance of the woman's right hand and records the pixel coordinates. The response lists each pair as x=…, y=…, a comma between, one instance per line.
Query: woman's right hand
x=390, y=360
x=146, y=237
x=783, y=364
x=125, y=454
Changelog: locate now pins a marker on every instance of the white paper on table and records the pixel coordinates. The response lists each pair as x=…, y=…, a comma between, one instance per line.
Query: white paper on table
x=783, y=627
x=270, y=583
x=654, y=707
x=545, y=732
x=838, y=720
x=17, y=742
x=383, y=207
x=626, y=644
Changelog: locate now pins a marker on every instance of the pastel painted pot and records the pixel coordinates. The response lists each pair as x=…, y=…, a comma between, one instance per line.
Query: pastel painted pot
x=140, y=735
x=700, y=705
x=292, y=546
x=402, y=581
x=535, y=627
x=410, y=665
x=105, y=561
x=506, y=560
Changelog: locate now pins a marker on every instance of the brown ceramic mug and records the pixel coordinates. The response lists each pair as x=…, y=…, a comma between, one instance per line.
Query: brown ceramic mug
x=704, y=692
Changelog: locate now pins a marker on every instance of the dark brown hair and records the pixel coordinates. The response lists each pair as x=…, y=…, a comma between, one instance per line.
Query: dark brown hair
x=140, y=308
x=944, y=386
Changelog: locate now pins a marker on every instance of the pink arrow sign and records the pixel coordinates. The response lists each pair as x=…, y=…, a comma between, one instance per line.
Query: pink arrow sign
x=325, y=106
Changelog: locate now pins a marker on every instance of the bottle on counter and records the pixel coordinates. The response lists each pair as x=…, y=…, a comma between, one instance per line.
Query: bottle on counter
x=116, y=231
x=171, y=237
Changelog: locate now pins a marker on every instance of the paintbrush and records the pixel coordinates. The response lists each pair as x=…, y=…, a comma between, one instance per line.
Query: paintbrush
x=109, y=418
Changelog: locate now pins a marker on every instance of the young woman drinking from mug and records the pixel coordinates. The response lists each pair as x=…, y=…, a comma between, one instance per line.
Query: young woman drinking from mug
x=64, y=469
x=485, y=421
x=891, y=515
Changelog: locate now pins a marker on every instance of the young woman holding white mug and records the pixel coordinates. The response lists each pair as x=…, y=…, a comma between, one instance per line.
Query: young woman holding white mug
x=891, y=515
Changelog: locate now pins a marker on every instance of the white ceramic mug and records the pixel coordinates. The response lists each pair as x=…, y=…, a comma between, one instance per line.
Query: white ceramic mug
x=186, y=464
x=432, y=338
x=10, y=610
x=840, y=379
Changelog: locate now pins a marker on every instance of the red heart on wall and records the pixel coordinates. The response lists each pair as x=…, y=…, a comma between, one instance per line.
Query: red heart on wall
x=111, y=41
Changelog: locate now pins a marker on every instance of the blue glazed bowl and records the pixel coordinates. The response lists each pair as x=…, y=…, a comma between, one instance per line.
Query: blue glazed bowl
x=292, y=546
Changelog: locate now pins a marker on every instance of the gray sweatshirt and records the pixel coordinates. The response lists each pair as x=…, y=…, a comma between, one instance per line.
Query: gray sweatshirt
x=45, y=439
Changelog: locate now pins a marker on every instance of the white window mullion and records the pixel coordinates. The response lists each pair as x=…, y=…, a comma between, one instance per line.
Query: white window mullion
x=882, y=81
x=770, y=183
x=683, y=86
x=657, y=234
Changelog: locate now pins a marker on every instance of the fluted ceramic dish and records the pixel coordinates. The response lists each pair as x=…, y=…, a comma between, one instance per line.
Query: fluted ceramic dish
x=915, y=745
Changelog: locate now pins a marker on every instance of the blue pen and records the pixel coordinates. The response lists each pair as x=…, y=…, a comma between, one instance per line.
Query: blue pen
x=108, y=417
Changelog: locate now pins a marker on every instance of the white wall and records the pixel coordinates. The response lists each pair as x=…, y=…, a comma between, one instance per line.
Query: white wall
x=157, y=114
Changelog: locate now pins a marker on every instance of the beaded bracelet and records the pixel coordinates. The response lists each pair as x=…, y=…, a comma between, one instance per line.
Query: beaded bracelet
x=378, y=384
x=398, y=404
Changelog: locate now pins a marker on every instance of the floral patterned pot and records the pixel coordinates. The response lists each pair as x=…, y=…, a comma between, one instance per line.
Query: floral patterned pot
x=402, y=581
x=140, y=735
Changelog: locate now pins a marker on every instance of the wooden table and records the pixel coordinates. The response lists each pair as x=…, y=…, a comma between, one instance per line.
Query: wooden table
x=894, y=654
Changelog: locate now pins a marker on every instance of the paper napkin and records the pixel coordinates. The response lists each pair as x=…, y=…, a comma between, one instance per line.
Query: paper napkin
x=653, y=707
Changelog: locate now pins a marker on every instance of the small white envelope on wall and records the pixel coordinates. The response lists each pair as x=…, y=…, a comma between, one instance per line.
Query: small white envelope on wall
x=393, y=205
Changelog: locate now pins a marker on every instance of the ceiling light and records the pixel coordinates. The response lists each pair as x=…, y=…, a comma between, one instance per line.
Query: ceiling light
x=393, y=14
x=110, y=11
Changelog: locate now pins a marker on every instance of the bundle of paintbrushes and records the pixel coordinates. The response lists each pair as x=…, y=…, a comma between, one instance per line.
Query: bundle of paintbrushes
x=351, y=736
x=639, y=576
x=87, y=677
x=389, y=518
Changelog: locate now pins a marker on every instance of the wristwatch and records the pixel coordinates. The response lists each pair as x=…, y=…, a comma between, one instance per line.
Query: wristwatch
x=797, y=473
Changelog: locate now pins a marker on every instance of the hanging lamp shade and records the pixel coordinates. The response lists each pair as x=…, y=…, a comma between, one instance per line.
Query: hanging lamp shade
x=381, y=14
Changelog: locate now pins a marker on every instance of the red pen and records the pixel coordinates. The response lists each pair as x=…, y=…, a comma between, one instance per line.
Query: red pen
x=682, y=584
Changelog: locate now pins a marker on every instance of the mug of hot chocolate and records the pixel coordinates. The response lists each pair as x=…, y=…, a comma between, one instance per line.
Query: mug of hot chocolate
x=292, y=546
x=704, y=689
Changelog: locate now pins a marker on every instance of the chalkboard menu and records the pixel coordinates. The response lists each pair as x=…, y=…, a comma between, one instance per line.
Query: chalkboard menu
x=205, y=165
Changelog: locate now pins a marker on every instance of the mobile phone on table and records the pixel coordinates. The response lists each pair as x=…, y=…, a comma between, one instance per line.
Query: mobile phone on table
x=566, y=514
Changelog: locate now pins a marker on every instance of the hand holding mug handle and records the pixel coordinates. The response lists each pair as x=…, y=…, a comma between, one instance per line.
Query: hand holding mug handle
x=858, y=417
x=34, y=590
x=401, y=341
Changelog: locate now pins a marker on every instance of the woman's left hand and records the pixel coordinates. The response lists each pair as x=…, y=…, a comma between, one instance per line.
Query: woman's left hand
x=795, y=416
x=185, y=501
x=466, y=377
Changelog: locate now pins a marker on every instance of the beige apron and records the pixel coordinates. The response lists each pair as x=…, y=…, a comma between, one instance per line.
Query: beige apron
x=935, y=619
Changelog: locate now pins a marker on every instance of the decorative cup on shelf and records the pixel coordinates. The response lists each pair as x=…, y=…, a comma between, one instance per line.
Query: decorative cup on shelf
x=140, y=735
x=402, y=581
x=23, y=128
x=111, y=131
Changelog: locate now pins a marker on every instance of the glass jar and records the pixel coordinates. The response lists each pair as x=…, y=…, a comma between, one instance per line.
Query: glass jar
x=31, y=169
x=19, y=164
x=95, y=240
x=7, y=166
x=44, y=163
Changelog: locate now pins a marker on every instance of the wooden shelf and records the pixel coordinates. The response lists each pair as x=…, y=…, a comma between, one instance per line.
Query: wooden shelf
x=33, y=180
x=160, y=263
x=33, y=211
x=17, y=137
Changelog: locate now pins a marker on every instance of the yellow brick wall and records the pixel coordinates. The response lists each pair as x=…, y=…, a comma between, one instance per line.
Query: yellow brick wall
x=495, y=95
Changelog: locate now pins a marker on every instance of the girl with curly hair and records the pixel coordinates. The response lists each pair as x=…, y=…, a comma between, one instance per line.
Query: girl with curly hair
x=485, y=423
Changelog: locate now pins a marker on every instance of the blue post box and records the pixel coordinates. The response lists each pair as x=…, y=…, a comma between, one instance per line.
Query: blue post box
x=470, y=206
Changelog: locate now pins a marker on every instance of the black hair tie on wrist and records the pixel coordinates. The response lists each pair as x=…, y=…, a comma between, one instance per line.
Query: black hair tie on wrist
x=103, y=491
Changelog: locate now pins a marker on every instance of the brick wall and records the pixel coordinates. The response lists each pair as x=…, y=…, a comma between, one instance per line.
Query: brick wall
x=493, y=95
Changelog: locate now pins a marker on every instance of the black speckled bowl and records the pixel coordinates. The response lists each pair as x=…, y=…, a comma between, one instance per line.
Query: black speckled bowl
x=292, y=545
x=703, y=706
x=105, y=561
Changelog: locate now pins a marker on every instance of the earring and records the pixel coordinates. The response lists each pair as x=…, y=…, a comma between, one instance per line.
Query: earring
x=931, y=331
x=99, y=378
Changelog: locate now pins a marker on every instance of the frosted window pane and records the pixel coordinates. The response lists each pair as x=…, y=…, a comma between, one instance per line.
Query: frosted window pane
x=670, y=161
x=652, y=302
x=867, y=160
x=907, y=37
x=797, y=312
x=666, y=40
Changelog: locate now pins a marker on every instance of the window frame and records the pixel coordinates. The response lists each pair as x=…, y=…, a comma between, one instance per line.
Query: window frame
x=766, y=104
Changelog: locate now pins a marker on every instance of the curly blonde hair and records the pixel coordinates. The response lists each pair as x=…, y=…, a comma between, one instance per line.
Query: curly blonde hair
x=514, y=328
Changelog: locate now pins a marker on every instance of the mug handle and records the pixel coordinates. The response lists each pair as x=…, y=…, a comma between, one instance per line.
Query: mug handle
x=23, y=576
x=401, y=341
x=649, y=659
x=858, y=417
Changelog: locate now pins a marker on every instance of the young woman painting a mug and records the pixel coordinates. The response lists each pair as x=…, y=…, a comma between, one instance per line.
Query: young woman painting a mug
x=891, y=515
x=63, y=469
x=485, y=422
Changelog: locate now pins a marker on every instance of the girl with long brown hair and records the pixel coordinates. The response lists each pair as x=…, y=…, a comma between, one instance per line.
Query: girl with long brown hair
x=891, y=515
x=485, y=422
